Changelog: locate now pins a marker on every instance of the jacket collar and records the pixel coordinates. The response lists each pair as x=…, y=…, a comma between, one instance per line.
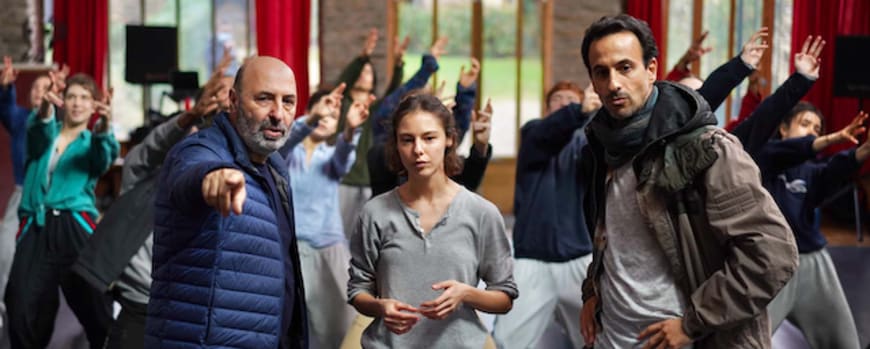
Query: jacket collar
x=679, y=110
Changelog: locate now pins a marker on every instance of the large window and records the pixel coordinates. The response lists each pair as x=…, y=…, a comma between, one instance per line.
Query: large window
x=512, y=74
x=127, y=102
x=781, y=50
x=205, y=29
x=679, y=30
x=747, y=21
x=314, y=48
x=731, y=23
x=499, y=75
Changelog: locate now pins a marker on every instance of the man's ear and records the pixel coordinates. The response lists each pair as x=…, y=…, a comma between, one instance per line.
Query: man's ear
x=234, y=99
x=652, y=68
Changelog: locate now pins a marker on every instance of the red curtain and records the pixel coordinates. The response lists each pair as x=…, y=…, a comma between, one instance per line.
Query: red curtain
x=829, y=19
x=651, y=12
x=81, y=36
x=283, y=31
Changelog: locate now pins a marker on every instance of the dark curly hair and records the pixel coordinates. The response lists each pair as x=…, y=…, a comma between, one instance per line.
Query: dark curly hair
x=800, y=107
x=614, y=24
x=423, y=102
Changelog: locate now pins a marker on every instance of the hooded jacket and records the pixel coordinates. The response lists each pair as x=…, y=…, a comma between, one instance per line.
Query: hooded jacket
x=728, y=246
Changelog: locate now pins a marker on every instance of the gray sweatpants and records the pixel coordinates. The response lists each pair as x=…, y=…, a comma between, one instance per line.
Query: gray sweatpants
x=351, y=200
x=813, y=300
x=325, y=276
x=548, y=292
x=8, y=229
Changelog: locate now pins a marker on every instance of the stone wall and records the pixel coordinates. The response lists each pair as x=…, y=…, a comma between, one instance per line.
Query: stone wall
x=15, y=29
x=570, y=19
x=344, y=25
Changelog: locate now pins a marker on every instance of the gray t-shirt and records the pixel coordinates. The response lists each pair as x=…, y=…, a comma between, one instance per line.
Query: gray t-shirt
x=391, y=258
x=637, y=287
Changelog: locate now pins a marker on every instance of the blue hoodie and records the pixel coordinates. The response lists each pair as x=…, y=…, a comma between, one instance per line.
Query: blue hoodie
x=799, y=184
x=548, y=201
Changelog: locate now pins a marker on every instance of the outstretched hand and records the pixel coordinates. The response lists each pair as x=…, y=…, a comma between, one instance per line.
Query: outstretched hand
x=104, y=109
x=9, y=74
x=808, y=61
x=438, y=47
x=591, y=100
x=754, y=48
x=358, y=112
x=400, y=48
x=371, y=42
x=694, y=52
x=224, y=189
x=854, y=129
x=328, y=106
x=434, y=90
x=481, y=127
x=55, y=88
x=214, y=95
x=468, y=77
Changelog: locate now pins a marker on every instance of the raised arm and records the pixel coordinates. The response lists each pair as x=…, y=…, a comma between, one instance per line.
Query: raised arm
x=189, y=166
x=544, y=138
x=721, y=81
x=146, y=157
x=43, y=129
x=757, y=129
x=398, y=64
x=328, y=106
x=8, y=107
x=390, y=102
x=693, y=54
x=353, y=70
x=466, y=92
x=475, y=164
x=837, y=171
x=345, y=148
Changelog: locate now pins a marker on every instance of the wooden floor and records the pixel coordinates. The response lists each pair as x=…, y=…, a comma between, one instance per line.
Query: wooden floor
x=839, y=234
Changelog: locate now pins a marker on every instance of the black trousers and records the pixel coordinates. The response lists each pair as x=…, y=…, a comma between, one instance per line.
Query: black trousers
x=43, y=258
x=128, y=330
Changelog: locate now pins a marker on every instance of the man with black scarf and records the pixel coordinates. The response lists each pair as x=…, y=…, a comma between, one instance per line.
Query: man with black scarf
x=688, y=246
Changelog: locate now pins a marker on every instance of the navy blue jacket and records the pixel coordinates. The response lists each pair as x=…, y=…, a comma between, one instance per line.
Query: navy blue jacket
x=799, y=184
x=14, y=120
x=220, y=281
x=548, y=198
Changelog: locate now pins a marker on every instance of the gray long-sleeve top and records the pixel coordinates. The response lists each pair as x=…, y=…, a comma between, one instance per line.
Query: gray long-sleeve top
x=392, y=258
x=143, y=161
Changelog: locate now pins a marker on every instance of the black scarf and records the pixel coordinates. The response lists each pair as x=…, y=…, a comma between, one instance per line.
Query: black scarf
x=623, y=138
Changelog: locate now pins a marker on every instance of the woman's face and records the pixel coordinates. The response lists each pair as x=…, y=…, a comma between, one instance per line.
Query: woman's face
x=366, y=78
x=78, y=104
x=421, y=143
x=562, y=98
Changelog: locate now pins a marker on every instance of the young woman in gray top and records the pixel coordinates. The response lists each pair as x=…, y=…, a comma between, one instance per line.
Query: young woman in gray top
x=418, y=250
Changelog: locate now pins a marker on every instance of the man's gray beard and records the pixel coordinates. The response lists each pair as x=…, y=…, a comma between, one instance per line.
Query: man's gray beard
x=254, y=138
